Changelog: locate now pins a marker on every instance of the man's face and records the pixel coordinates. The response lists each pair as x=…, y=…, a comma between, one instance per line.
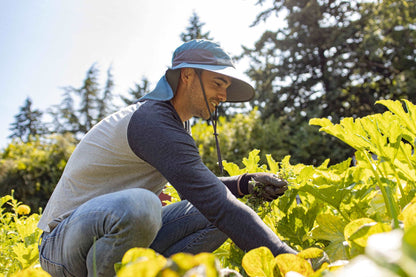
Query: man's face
x=215, y=86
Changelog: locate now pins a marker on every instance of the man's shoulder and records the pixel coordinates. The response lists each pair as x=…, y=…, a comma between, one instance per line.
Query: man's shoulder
x=153, y=111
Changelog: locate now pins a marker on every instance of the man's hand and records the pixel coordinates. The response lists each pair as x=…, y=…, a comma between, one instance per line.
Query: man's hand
x=266, y=186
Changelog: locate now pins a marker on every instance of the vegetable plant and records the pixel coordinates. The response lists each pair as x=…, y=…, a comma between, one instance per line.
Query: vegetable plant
x=361, y=212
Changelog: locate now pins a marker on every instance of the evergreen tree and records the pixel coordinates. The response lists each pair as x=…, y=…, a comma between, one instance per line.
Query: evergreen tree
x=333, y=58
x=105, y=105
x=83, y=107
x=89, y=96
x=194, y=30
x=137, y=92
x=27, y=123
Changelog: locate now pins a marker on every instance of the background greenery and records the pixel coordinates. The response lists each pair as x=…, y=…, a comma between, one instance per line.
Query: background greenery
x=331, y=59
x=361, y=214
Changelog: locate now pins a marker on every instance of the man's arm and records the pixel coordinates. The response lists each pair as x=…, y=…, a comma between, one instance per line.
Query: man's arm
x=157, y=136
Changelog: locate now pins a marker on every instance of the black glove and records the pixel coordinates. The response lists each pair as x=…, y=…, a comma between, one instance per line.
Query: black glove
x=266, y=186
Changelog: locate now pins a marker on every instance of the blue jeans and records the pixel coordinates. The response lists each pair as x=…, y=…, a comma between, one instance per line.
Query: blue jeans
x=98, y=233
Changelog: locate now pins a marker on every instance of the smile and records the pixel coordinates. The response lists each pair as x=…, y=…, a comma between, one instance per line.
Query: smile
x=215, y=104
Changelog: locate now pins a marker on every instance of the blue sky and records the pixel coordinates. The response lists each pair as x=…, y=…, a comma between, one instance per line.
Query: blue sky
x=48, y=45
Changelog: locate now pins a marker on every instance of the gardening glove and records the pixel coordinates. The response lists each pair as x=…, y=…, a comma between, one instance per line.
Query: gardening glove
x=266, y=186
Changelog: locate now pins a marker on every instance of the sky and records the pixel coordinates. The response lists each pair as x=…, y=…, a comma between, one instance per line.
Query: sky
x=48, y=45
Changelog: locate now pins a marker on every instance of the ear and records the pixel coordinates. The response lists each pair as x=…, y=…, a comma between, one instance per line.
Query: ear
x=186, y=74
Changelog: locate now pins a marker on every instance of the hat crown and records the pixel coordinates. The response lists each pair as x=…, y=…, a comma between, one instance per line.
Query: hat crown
x=201, y=52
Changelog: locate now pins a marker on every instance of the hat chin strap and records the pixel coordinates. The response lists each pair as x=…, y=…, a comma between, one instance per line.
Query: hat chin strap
x=214, y=122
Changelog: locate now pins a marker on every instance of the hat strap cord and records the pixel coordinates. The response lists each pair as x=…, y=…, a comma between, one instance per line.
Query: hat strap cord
x=214, y=122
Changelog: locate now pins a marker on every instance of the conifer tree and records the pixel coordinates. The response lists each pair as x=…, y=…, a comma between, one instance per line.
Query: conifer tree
x=194, y=30
x=84, y=107
x=334, y=58
x=137, y=92
x=27, y=122
x=105, y=104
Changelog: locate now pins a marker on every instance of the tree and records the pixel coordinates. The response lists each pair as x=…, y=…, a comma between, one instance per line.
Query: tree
x=387, y=57
x=83, y=107
x=137, y=92
x=32, y=169
x=333, y=59
x=27, y=123
x=326, y=61
x=194, y=31
x=88, y=94
x=105, y=106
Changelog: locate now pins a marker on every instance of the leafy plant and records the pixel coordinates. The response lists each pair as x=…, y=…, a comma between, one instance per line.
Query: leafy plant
x=146, y=262
x=19, y=236
x=359, y=211
x=337, y=208
x=33, y=169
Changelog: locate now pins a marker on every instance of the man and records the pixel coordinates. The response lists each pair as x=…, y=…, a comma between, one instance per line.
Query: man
x=106, y=200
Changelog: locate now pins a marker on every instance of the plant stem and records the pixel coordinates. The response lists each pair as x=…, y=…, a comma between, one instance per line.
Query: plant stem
x=391, y=204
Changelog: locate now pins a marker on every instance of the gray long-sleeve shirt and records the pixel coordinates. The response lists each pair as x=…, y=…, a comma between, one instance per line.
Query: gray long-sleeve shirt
x=144, y=146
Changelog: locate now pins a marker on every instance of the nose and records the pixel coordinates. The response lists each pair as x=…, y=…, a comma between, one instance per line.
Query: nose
x=222, y=96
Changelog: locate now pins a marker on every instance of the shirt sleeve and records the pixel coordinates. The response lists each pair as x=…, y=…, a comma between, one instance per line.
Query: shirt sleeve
x=156, y=135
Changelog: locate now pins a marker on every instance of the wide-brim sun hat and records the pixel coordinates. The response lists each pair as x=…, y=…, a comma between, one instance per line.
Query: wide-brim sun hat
x=205, y=55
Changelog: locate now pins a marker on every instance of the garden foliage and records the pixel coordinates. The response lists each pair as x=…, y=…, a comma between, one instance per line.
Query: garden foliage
x=18, y=236
x=33, y=169
x=360, y=212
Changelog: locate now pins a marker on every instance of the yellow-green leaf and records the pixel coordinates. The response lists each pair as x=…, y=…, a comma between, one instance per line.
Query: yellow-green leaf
x=135, y=253
x=291, y=262
x=408, y=215
x=273, y=165
x=259, y=262
x=359, y=230
x=331, y=228
x=311, y=253
x=149, y=268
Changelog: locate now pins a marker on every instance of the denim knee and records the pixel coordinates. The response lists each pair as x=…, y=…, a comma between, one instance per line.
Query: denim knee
x=140, y=211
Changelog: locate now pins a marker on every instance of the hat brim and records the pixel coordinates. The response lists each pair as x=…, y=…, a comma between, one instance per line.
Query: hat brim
x=240, y=90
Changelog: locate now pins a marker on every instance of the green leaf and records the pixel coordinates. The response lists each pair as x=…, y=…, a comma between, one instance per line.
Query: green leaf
x=408, y=261
x=291, y=262
x=273, y=165
x=232, y=168
x=323, y=122
x=209, y=262
x=396, y=107
x=138, y=253
x=296, y=225
x=259, y=262
x=5, y=199
x=408, y=215
x=184, y=261
x=252, y=161
x=311, y=253
x=306, y=174
x=325, y=191
x=331, y=228
x=358, y=231
x=148, y=268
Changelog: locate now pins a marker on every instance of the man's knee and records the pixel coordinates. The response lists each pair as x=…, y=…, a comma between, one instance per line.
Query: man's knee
x=141, y=209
